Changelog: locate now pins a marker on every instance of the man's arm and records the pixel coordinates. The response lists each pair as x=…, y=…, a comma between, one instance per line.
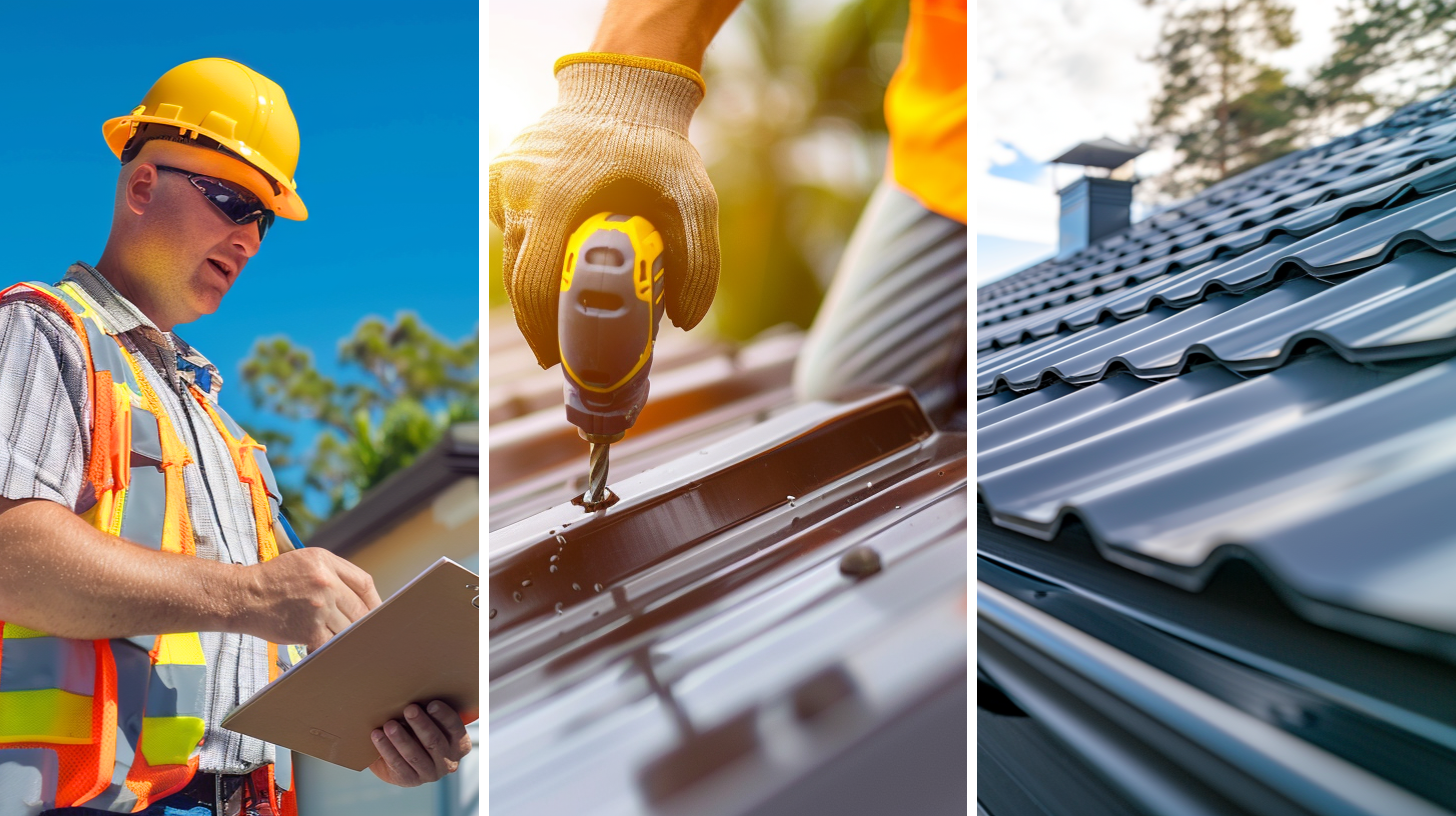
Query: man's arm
x=62, y=576
x=674, y=30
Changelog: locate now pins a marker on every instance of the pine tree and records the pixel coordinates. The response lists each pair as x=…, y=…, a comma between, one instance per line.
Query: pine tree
x=1388, y=53
x=1221, y=106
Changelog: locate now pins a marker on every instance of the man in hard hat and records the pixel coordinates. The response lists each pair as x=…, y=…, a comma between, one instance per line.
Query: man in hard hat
x=146, y=573
x=617, y=140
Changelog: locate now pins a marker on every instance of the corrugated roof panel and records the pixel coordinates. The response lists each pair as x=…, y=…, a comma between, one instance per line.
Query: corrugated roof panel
x=1405, y=308
x=686, y=649
x=1335, y=239
x=1263, y=373
x=698, y=646
x=1328, y=475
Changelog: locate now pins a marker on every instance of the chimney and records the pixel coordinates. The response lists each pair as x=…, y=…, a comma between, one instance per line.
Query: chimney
x=1096, y=206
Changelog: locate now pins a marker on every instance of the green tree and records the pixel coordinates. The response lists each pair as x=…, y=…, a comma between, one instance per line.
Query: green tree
x=414, y=385
x=1221, y=106
x=1388, y=53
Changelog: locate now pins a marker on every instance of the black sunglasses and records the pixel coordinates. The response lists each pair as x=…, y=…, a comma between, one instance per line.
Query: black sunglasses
x=239, y=205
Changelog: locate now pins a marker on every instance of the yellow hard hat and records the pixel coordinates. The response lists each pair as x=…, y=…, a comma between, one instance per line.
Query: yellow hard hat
x=233, y=105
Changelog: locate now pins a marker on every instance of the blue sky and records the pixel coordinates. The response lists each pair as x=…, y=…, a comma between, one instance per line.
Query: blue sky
x=386, y=96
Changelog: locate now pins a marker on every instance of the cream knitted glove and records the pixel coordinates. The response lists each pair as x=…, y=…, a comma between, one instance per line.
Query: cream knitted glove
x=616, y=140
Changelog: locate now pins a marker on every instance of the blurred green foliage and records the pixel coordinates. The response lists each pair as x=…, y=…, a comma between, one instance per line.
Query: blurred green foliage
x=793, y=134
x=1387, y=54
x=415, y=384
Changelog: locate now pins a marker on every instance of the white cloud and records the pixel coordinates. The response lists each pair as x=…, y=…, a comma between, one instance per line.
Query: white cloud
x=1011, y=209
x=1052, y=73
x=1313, y=21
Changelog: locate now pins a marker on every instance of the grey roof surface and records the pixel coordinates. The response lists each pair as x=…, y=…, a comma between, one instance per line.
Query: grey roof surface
x=1261, y=373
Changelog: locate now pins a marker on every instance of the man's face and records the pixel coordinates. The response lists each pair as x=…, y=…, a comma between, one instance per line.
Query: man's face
x=187, y=254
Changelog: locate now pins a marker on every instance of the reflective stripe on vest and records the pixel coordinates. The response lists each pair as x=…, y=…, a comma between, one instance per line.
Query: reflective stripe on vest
x=46, y=686
x=133, y=667
x=29, y=777
x=244, y=449
x=77, y=728
x=120, y=722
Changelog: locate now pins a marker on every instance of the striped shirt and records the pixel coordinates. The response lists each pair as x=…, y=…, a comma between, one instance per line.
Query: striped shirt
x=45, y=440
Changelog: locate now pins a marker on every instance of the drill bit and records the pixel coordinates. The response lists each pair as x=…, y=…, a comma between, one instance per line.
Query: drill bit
x=596, y=482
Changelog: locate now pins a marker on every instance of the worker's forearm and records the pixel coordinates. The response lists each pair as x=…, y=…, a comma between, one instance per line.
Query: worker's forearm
x=63, y=577
x=675, y=30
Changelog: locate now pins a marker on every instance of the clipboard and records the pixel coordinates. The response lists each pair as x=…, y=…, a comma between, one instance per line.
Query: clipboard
x=422, y=644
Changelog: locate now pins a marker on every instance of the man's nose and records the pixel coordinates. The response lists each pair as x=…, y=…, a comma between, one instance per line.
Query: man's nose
x=245, y=237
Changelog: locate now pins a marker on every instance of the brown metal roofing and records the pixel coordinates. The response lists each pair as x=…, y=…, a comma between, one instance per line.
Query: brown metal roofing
x=525, y=445
x=633, y=455
x=712, y=627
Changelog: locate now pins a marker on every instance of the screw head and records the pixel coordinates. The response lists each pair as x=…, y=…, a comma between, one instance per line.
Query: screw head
x=860, y=562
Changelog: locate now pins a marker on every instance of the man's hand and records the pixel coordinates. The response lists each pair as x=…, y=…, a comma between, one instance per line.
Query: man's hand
x=616, y=140
x=306, y=596
x=430, y=747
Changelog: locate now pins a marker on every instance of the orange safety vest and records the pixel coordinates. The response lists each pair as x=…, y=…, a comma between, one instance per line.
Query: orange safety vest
x=118, y=724
x=925, y=108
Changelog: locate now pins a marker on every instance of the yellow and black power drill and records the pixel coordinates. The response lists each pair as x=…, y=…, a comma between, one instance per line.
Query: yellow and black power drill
x=611, y=303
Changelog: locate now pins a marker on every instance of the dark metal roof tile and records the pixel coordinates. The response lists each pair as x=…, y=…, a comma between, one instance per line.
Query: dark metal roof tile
x=1401, y=309
x=1327, y=474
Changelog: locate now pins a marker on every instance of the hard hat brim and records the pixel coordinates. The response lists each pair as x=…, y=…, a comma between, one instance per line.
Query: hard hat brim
x=286, y=204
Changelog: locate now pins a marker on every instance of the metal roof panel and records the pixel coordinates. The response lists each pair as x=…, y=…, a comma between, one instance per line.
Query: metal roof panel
x=1324, y=473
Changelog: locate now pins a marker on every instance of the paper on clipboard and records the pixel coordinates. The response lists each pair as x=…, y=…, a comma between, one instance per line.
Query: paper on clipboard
x=420, y=645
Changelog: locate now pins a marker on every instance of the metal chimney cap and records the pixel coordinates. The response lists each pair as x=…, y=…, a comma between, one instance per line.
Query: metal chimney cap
x=1102, y=152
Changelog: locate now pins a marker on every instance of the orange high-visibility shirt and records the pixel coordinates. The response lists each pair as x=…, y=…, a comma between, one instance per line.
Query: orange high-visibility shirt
x=925, y=108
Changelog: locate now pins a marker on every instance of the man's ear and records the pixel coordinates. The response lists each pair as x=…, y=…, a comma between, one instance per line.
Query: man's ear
x=141, y=187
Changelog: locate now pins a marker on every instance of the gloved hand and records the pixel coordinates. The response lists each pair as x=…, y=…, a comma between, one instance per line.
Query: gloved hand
x=619, y=128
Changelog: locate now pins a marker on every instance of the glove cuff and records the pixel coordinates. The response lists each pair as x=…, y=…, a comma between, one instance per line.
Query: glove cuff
x=634, y=61
x=641, y=89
